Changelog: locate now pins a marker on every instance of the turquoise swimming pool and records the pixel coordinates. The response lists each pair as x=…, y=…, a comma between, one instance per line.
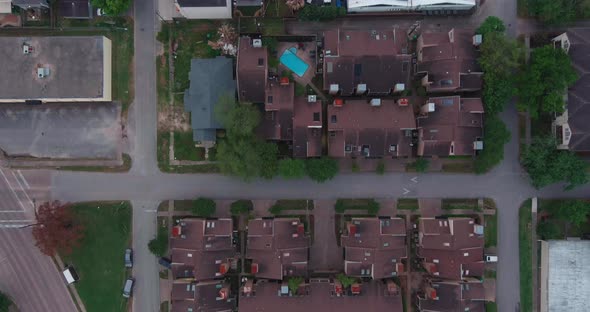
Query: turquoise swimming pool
x=290, y=59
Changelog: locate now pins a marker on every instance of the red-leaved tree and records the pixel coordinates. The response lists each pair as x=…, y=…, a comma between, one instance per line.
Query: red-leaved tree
x=56, y=229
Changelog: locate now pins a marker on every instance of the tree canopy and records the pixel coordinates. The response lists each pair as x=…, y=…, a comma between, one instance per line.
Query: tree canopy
x=496, y=135
x=241, y=206
x=574, y=211
x=321, y=169
x=546, y=165
x=56, y=229
x=203, y=207
x=491, y=24
x=542, y=84
x=500, y=60
x=555, y=12
x=320, y=13
x=241, y=153
x=112, y=7
x=5, y=302
x=292, y=168
x=548, y=230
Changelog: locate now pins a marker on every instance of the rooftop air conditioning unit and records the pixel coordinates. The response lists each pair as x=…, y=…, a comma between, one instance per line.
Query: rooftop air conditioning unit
x=257, y=43
x=477, y=39
x=375, y=102
x=428, y=108
x=27, y=49
x=42, y=72
x=312, y=98
x=478, y=145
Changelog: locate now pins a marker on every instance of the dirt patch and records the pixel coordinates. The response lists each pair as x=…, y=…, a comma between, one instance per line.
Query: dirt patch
x=173, y=118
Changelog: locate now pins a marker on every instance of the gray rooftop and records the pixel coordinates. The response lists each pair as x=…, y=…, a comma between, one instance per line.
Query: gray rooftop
x=569, y=276
x=74, y=68
x=210, y=79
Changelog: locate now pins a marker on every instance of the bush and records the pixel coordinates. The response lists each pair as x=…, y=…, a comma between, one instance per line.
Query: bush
x=291, y=168
x=203, y=207
x=355, y=166
x=421, y=164
x=496, y=135
x=5, y=302
x=320, y=13
x=241, y=207
x=345, y=280
x=340, y=207
x=159, y=245
x=321, y=169
x=549, y=230
x=372, y=207
x=275, y=209
x=380, y=168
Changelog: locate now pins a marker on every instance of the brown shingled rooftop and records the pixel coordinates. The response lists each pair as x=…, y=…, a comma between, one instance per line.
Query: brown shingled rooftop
x=374, y=247
x=450, y=126
x=358, y=62
x=451, y=248
x=373, y=128
x=319, y=295
x=252, y=70
x=201, y=249
x=450, y=296
x=447, y=61
x=307, y=127
x=277, y=123
x=210, y=296
x=278, y=247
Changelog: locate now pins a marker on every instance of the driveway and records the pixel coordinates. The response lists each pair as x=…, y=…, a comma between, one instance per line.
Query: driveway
x=325, y=254
x=71, y=130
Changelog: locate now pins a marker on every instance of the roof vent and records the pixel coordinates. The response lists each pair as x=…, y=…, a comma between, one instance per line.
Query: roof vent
x=27, y=49
x=375, y=102
x=42, y=72
x=257, y=43
x=399, y=87
x=312, y=98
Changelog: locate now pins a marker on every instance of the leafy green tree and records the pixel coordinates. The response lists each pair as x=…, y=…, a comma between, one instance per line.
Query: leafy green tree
x=5, y=302
x=239, y=157
x=320, y=13
x=294, y=283
x=237, y=119
x=241, y=207
x=159, y=245
x=275, y=209
x=203, y=207
x=380, y=167
x=500, y=60
x=340, y=206
x=548, y=230
x=321, y=169
x=291, y=168
x=373, y=207
x=554, y=11
x=543, y=83
x=421, y=164
x=268, y=163
x=574, y=211
x=496, y=135
x=345, y=280
x=112, y=7
x=491, y=24
x=546, y=165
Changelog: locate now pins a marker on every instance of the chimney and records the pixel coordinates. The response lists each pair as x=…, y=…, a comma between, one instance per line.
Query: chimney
x=284, y=81
x=338, y=102
x=431, y=293
x=403, y=102
x=254, y=268
x=223, y=268
x=248, y=287
x=176, y=231
x=399, y=267
x=300, y=229
x=428, y=108
x=392, y=288
x=224, y=293
x=452, y=35
x=338, y=288
x=355, y=289
x=351, y=229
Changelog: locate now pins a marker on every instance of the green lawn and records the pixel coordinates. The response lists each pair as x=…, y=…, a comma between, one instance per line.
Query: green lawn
x=461, y=166
x=407, y=204
x=491, y=230
x=526, y=250
x=163, y=142
x=491, y=307
x=368, y=204
x=295, y=204
x=123, y=168
x=99, y=259
x=185, y=149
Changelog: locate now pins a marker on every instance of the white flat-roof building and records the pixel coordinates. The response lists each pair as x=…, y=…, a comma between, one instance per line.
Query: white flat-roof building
x=374, y=6
x=565, y=276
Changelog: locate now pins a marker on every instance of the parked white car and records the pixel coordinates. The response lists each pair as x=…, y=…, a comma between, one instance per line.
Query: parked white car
x=491, y=258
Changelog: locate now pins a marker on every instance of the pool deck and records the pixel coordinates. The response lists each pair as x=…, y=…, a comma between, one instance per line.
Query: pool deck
x=304, y=55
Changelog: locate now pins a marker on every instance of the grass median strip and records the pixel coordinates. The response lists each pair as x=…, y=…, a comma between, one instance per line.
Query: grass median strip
x=526, y=250
x=99, y=259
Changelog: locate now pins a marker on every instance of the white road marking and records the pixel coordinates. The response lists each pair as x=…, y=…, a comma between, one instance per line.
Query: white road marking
x=23, y=178
x=414, y=179
x=151, y=210
x=24, y=191
x=12, y=190
x=406, y=191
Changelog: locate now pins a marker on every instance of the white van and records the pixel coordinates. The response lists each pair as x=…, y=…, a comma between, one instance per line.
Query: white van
x=70, y=275
x=491, y=258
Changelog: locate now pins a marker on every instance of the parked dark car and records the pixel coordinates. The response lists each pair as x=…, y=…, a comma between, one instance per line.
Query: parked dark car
x=165, y=262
